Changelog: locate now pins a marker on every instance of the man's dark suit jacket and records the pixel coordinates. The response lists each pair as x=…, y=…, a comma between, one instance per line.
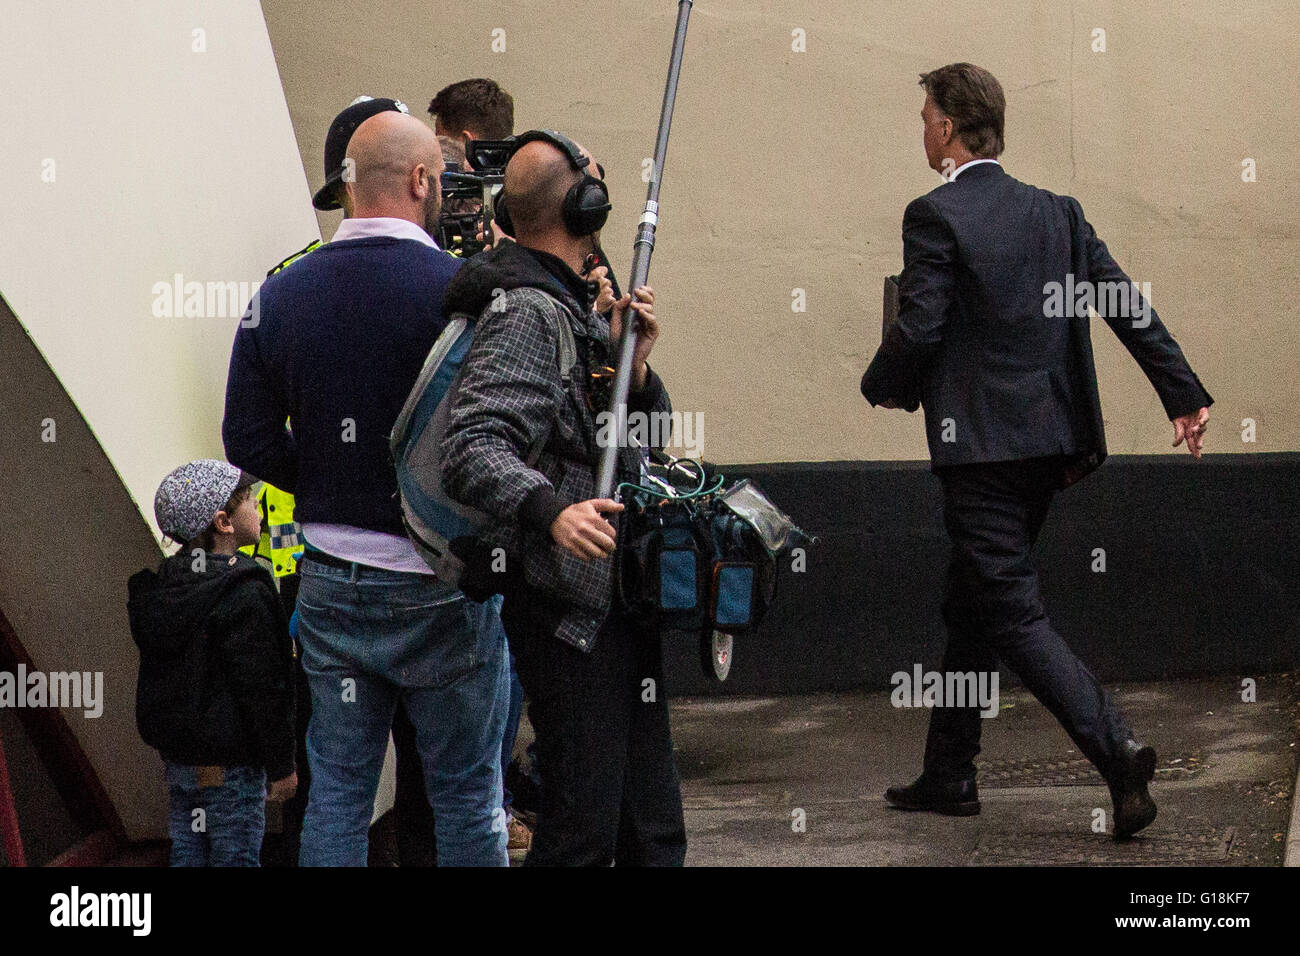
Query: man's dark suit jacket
x=974, y=342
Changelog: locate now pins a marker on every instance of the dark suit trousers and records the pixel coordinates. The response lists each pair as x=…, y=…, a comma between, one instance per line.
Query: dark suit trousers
x=994, y=612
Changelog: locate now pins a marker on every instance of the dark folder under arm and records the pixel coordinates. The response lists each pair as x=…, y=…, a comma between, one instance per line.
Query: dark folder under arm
x=890, y=305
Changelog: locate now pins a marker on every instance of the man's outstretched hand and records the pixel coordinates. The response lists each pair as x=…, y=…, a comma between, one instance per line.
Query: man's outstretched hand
x=581, y=529
x=1192, y=427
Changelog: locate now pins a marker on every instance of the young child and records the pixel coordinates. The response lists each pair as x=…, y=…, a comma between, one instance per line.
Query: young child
x=216, y=689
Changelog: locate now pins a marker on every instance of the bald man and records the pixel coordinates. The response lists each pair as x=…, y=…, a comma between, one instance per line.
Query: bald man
x=341, y=337
x=610, y=791
x=598, y=264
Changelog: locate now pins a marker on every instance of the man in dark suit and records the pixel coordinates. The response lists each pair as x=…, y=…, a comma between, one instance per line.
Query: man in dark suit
x=992, y=339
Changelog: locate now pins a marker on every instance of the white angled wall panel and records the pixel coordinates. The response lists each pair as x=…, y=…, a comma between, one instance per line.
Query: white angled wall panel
x=143, y=141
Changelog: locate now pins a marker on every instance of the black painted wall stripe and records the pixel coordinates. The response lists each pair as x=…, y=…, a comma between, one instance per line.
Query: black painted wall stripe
x=1201, y=573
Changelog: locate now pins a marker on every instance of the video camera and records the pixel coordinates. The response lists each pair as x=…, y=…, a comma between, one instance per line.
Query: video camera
x=469, y=196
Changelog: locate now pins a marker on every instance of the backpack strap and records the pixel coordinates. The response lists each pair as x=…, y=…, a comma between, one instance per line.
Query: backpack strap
x=567, y=354
x=568, y=349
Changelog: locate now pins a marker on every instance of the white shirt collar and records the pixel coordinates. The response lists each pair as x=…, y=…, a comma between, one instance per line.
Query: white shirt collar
x=974, y=162
x=382, y=226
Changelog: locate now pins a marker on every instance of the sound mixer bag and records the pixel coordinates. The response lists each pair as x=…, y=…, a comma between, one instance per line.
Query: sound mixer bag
x=701, y=560
x=662, y=564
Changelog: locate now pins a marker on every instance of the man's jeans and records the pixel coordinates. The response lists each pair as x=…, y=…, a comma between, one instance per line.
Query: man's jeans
x=369, y=638
x=515, y=712
x=219, y=825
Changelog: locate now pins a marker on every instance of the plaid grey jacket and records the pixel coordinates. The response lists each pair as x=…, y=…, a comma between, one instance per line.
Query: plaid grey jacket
x=511, y=396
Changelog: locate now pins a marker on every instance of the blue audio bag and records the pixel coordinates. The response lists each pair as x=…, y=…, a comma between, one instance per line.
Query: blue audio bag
x=695, y=555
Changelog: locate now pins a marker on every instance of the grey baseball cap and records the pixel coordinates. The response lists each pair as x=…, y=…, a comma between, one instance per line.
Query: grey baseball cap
x=190, y=497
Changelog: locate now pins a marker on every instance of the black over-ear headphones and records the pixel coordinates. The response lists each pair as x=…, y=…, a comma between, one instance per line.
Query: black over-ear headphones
x=586, y=204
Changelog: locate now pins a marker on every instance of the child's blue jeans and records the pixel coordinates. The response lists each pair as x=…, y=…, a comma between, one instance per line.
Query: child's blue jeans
x=216, y=825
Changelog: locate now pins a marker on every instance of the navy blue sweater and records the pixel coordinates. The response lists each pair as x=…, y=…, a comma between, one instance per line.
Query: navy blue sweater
x=340, y=338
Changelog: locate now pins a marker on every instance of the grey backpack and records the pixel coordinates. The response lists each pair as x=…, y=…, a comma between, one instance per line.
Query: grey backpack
x=433, y=519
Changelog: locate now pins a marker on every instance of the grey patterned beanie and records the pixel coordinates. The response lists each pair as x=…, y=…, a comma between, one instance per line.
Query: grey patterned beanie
x=190, y=497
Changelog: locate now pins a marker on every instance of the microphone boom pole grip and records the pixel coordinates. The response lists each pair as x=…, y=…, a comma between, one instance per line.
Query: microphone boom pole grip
x=642, y=247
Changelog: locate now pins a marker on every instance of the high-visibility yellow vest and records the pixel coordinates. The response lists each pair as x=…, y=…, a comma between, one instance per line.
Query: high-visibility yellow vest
x=310, y=247
x=281, y=535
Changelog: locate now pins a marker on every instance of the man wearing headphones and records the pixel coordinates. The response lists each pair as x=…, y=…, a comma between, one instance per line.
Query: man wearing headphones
x=594, y=677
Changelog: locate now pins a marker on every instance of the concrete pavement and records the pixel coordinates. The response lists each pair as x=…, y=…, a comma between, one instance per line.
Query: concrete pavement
x=799, y=781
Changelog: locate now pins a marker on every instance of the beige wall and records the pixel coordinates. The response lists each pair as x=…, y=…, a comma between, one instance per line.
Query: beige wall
x=791, y=170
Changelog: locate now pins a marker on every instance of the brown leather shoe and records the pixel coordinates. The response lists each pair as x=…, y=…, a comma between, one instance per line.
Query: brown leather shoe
x=521, y=838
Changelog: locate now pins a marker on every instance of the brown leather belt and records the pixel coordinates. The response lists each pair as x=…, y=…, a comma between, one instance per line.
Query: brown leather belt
x=210, y=776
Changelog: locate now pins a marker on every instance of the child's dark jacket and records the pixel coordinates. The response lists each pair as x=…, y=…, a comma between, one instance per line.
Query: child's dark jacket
x=216, y=664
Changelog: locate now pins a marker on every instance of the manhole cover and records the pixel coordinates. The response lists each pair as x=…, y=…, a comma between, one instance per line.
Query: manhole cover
x=1084, y=848
x=1072, y=771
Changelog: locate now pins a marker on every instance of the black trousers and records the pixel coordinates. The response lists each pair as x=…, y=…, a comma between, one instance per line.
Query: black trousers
x=610, y=791
x=994, y=611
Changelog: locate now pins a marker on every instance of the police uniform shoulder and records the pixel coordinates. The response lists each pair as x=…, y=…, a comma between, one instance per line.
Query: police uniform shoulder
x=290, y=260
